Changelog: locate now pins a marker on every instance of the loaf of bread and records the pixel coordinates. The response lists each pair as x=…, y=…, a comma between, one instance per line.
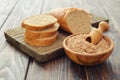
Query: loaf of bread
x=30, y=34
x=73, y=20
x=42, y=41
x=39, y=22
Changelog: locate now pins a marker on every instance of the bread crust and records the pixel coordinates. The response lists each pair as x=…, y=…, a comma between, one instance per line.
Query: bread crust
x=42, y=41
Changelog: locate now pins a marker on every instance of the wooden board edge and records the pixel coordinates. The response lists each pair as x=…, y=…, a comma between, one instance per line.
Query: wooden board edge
x=29, y=52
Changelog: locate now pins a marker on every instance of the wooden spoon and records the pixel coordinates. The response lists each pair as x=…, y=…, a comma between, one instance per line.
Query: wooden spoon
x=96, y=35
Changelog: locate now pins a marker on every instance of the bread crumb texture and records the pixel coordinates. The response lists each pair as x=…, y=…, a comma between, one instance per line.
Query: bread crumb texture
x=39, y=20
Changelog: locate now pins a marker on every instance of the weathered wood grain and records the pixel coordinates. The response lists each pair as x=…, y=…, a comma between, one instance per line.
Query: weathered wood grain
x=63, y=68
x=13, y=64
x=6, y=8
x=113, y=12
x=114, y=16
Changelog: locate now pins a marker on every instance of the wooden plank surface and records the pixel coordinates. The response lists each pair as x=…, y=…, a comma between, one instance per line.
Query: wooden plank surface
x=13, y=64
x=63, y=68
x=113, y=12
x=6, y=8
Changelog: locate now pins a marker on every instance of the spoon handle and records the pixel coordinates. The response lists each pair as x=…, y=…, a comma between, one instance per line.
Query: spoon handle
x=96, y=35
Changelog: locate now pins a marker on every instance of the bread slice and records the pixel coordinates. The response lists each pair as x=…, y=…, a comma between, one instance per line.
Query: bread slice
x=73, y=20
x=39, y=22
x=42, y=41
x=42, y=33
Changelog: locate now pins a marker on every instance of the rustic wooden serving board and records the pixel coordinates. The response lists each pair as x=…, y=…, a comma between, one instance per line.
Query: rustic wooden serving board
x=42, y=54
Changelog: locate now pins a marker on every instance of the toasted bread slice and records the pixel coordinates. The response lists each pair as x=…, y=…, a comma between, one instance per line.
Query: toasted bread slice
x=42, y=41
x=42, y=33
x=73, y=20
x=39, y=22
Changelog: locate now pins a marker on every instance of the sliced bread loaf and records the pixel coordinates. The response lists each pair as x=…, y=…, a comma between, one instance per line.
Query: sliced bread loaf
x=39, y=22
x=30, y=34
x=42, y=41
x=73, y=20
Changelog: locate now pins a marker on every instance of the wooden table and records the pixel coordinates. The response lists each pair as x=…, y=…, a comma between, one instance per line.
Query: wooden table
x=15, y=65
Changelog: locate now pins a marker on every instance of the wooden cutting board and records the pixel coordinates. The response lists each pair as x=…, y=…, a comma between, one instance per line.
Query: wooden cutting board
x=15, y=36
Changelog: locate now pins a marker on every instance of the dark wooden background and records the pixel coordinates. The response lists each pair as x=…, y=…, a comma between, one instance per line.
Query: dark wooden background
x=15, y=65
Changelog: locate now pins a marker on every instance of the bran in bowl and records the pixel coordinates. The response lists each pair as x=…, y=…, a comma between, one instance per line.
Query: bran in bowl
x=78, y=44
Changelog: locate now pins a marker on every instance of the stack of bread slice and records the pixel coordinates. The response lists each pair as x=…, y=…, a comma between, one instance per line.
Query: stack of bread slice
x=41, y=30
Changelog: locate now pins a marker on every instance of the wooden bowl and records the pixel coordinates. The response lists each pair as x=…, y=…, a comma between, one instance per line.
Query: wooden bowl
x=88, y=59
